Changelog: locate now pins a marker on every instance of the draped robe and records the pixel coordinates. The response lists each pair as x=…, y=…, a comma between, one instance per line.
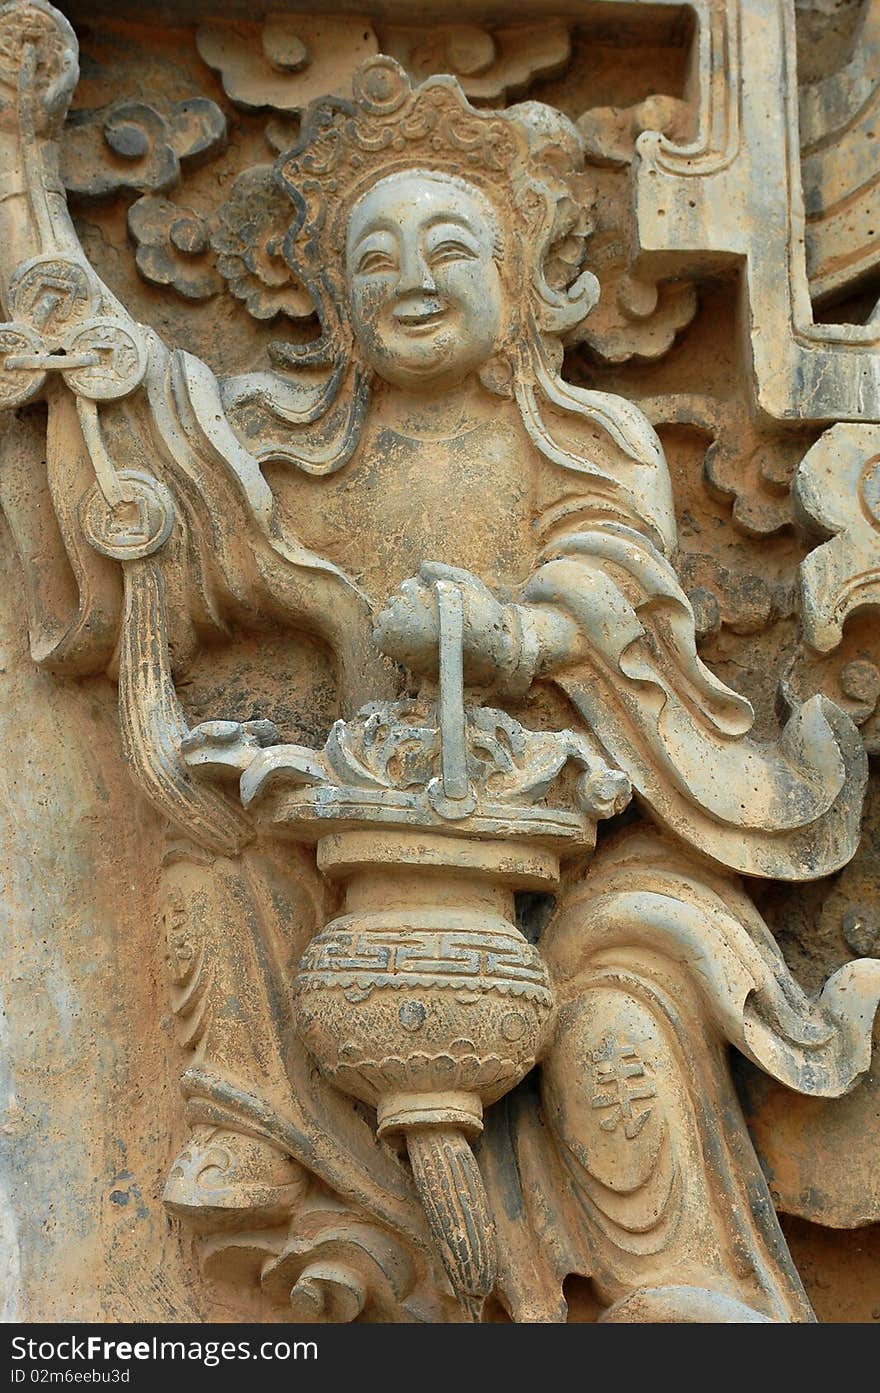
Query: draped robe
x=600, y=533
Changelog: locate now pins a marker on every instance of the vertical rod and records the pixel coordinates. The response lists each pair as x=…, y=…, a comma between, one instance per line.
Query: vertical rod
x=453, y=736
x=114, y=489
x=33, y=164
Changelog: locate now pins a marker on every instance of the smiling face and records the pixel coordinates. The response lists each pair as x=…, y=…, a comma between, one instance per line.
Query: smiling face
x=425, y=293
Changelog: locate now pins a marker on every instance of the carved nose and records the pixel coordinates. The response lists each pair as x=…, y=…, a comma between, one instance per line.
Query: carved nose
x=415, y=276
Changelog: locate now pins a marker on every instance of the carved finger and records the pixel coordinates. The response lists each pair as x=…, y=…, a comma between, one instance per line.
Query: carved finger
x=58, y=95
x=438, y=570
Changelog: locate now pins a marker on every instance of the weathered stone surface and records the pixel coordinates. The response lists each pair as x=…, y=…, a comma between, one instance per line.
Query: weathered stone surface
x=451, y=667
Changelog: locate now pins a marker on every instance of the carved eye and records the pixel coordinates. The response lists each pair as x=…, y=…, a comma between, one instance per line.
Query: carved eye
x=452, y=251
x=374, y=262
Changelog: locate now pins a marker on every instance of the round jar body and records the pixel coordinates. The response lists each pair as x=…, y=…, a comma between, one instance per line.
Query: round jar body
x=414, y=1003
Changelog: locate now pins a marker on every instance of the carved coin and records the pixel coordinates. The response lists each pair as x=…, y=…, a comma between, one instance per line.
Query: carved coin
x=18, y=385
x=33, y=28
x=870, y=488
x=411, y=1015
x=51, y=294
x=513, y=1025
x=121, y=360
x=130, y=530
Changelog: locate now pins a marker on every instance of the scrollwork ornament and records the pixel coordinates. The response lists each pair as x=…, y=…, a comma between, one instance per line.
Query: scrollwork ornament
x=490, y=64
x=135, y=148
x=248, y=240
x=298, y=59
x=173, y=247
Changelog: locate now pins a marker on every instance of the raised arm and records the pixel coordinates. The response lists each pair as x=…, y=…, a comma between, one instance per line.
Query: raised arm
x=605, y=618
x=38, y=73
x=62, y=322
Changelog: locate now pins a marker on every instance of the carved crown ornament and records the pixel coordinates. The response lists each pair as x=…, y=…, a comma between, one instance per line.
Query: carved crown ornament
x=439, y=582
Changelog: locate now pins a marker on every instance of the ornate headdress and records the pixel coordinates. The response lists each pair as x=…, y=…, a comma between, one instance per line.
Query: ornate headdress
x=390, y=127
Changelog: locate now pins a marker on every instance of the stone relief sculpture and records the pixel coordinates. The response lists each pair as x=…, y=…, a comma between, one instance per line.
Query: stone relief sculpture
x=450, y=1034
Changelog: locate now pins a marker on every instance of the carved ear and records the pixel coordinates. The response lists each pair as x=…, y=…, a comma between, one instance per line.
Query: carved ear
x=497, y=376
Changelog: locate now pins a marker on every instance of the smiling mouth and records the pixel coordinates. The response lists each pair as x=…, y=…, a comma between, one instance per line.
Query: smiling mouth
x=424, y=321
x=419, y=313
